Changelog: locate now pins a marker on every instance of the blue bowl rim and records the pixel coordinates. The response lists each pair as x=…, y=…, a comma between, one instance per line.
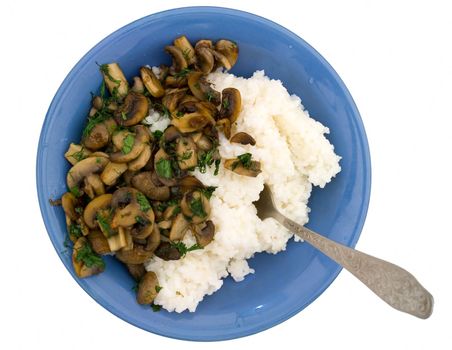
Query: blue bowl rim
x=43, y=202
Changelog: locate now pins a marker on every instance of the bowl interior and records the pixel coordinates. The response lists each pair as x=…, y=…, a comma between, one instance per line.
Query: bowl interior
x=283, y=284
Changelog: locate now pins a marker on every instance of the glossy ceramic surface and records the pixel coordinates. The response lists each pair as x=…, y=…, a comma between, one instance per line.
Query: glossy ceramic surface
x=283, y=284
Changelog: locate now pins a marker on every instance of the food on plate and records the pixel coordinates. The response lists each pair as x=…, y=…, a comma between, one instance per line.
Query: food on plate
x=168, y=166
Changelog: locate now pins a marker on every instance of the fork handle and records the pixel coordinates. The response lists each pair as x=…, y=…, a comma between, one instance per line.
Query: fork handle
x=394, y=285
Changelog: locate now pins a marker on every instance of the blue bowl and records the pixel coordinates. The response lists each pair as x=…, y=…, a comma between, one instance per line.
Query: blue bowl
x=283, y=284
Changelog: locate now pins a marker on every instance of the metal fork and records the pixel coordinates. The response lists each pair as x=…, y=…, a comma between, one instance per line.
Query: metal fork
x=394, y=285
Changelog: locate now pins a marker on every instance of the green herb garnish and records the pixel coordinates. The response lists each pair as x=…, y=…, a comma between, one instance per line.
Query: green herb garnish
x=158, y=288
x=186, y=54
x=141, y=220
x=210, y=96
x=157, y=134
x=225, y=103
x=244, y=159
x=104, y=224
x=75, y=231
x=98, y=118
x=86, y=255
x=208, y=191
x=217, y=167
x=79, y=155
x=197, y=208
x=135, y=287
x=123, y=116
x=76, y=191
x=182, y=248
x=156, y=308
x=186, y=155
x=128, y=142
x=179, y=114
x=164, y=169
x=143, y=202
x=104, y=69
x=182, y=73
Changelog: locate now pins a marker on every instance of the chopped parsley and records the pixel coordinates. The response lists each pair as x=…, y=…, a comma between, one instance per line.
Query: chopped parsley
x=244, y=159
x=206, y=159
x=197, y=208
x=164, y=169
x=217, y=167
x=79, y=155
x=123, y=116
x=186, y=155
x=104, y=69
x=141, y=220
x=179, y=114
x=98, y=118
x=128, y=142
x=208, y=191
x=76, y=191
x=135, y=287
x=158, y=288
x=156, y=308
x=157, y=134
x=86, y=255
x=182, y=248
x=182, y=73
x=225, y=103
x=143, y=202
x=79, y=210
x=186, y=54
x=104, y=225
x=210, y=96
x=75, y=231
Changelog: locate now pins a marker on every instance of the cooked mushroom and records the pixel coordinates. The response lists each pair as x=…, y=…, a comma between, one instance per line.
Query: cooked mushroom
x=85, y=261
x=229, y=49
x=172, y=98
x=189, y=182
x=143, y=183
x=153, y=241
x=118, y=241
x=225, y=124
x=205, y=235
x=243, y=138
x=97, y=137
x=164, y=168
x=179, y=61
x=187, y=156
x=202, y=141
x=141, y=160
x=190, y=122
x=115, y=80
x=93, y=207
x=187, y=49
x=202, y=89
x=204, y=59
x=138, y=85
x=207, y=109
x=112, y=172
x=68, y=202
x=167, y=251
x=176, y=82
x=231, y=104
x=137, y=271
x=165, y=224
x=137, y=255
x=97, y=102
x=134, y=148
x=251, y=168
x=164, y=71
x=85, y=167
x=76, y=153
x=195, y=206
x=179, y=228
x=98, y=242
x=221, y=60
x=151, y=82
x=93, y=185
x=134, y=109
x=147, y=288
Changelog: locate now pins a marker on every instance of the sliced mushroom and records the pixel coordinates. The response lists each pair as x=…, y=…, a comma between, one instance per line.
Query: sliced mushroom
x=151, y=82
x=204, y=59
x=172, y=98
x=153, y=240
x=190, y=122
x=163, y=168
x=165, y=224
x=229, y=49
x=83, y=168
x=142, y=137
x=236, y=166
x=93, y=185
x=189, y=183
x=176, y=82
x=187, y=49
x=137, y=255
x=207, y=109
x=179, y=228
x=76, y=153
x=134, y=109
x=243, y=138
x=204, y=43
x=118, y=138
x=68, y=202
x=167, y=251
x=187, y=156
x=115, y=80
x=147, y=288
x=137, y=271
x=142, y=159
x=97, y=137
x=97, y=102
x=221, y=60
x=99, y=154
x=118, y=241
x=202, y=89
x=143, y=182
x=205, y=235
x=231, y=104
x=93, y=207
x=179, y=61
x=195, y=206
x=202, y=141
x=112, y=172
x=98, y=242
x=86, y=263
x=138, y=85
x=225, y=124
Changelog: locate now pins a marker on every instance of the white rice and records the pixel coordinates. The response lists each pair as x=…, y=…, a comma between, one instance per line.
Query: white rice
x=294, y=155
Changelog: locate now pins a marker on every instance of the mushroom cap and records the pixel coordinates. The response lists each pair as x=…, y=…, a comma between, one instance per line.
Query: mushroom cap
x=147, y=288
x=142, y=136
x=179, y=61
x=134, y=109
x=82, y=169
x=243, y=138
x=229, y=49
x=205, y=236
x=98, y=203
x=144, y=183
x=151, y=82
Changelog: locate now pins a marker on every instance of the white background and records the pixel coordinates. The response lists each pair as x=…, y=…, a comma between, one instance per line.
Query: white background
x=396, y=59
